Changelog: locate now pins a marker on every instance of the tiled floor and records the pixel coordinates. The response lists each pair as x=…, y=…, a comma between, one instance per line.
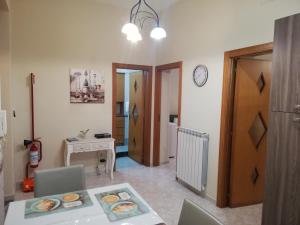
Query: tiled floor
x=160, y=189
x=126, y=163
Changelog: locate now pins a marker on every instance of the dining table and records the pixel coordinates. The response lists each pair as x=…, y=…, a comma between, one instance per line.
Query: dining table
x=100, y=207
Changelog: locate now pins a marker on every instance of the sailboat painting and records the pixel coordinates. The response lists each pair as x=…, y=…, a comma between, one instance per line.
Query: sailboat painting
x=86, y=86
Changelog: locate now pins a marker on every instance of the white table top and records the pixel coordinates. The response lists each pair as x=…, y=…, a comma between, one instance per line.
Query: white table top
x=93, y=215
x=89, y=140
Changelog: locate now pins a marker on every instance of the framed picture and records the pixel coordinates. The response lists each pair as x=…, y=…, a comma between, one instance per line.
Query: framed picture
x=86, y=86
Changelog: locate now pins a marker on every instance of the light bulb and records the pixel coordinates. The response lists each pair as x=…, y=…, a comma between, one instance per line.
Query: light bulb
x=134, y=37
x=158, y=33
x=129, y=27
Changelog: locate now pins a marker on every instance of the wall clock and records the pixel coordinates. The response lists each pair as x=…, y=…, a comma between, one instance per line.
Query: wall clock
x=200, y=75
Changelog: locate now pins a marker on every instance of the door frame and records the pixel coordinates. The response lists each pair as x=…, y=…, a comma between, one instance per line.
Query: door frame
x=157, y=105
x=148, y=103
x=228, y=91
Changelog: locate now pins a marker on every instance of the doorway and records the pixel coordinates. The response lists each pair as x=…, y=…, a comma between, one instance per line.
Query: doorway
x=131, y=114
x=167, y=111
x=244, y=124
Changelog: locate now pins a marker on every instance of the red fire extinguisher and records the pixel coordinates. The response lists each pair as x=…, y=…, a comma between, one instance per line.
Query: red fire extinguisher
x=34, y=146
x=35, y=155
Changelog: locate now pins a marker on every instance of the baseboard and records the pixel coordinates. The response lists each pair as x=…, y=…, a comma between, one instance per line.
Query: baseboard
x=211, y=199
x=121, y=154
x=202, y=194
x=8, y=199
x=19, y=185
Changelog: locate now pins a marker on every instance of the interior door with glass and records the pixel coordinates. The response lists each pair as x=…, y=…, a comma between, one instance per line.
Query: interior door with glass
x=136, y=116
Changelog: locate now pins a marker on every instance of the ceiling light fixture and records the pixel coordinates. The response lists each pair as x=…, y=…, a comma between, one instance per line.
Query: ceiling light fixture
x=140, y=13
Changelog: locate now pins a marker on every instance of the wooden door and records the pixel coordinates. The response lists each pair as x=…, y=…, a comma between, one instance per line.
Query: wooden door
x=136, y=116
x=282, y=198
x=286, y=65
x=250, y=123
x=120, y=87
x=119, y=117
x=282, y=191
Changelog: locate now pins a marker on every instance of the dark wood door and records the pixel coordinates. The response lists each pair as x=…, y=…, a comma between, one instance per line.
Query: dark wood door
x=282, y=197
x=136, y=116
x=286, y=65
x=282, y=190
x=250, y=124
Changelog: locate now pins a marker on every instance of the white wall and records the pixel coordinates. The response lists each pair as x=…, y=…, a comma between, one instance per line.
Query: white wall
x=48, y=38
x=169, y=105
x=5, y=79
x=199, y=32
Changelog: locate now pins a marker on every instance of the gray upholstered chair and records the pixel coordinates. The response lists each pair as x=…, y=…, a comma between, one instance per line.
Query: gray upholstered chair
x=192, y=214
x=59, y=180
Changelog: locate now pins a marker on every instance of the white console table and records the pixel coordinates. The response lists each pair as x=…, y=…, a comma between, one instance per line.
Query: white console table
x=92, y=145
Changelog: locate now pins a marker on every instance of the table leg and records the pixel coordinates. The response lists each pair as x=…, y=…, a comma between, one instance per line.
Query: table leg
x=98, y=163
x=113, y=159
x=67, y=162
x=65, y=158
x=108, y=160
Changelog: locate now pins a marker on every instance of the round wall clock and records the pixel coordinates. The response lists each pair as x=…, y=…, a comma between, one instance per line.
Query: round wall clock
x=200, y=75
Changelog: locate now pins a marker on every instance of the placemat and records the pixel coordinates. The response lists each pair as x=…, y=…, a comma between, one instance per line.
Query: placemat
x=120, y=204
x=56, y=204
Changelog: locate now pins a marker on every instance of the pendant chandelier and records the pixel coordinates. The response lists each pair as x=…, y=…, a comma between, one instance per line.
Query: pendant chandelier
x=140, y=13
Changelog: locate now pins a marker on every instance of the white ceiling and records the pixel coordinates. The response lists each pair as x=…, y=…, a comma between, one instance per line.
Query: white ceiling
x=158, y=5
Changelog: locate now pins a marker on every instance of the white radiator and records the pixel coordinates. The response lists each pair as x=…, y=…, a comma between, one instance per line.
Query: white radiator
x=192, y=159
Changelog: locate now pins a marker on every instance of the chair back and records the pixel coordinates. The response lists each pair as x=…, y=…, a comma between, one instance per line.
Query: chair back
x=59, y=180
x=192, y=214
